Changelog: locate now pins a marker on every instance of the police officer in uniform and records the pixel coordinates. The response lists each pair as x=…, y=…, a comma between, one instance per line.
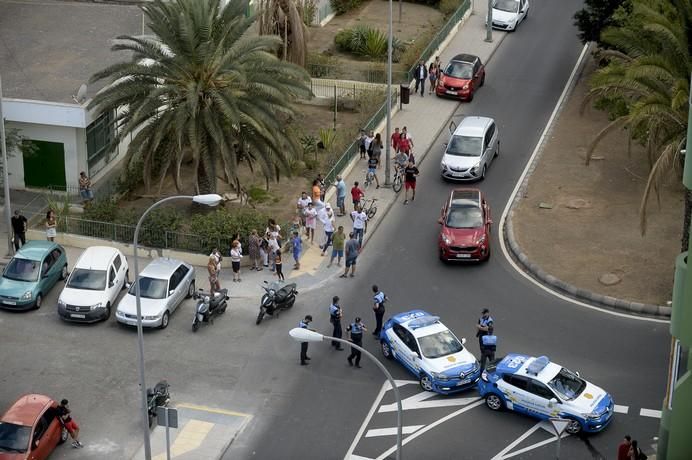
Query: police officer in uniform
x=304, y=358
x=356, y=328
x=484, y=322
x=335, y=314
x=378, y=307
x=488, y=347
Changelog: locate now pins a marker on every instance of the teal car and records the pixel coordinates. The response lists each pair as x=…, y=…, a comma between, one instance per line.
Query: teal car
x=32, y=272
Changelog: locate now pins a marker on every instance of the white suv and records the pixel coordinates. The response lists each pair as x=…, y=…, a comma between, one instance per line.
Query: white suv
x=470, y=150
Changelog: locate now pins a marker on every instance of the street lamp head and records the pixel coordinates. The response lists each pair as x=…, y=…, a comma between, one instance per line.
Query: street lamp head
x=210, y=199
x=300, y=334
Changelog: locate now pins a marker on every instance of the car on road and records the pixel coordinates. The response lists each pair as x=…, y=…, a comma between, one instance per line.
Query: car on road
x=30, y=429
x=92, y=289
x=542, y=389
x=465, y=227
x=508, y=14
x=473, y=145
x=430, y=351
x=31, y=274
x=163, y=284
x=461, y=77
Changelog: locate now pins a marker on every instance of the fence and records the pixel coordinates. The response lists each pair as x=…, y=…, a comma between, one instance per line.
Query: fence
x=376, y=73
x=345, y=89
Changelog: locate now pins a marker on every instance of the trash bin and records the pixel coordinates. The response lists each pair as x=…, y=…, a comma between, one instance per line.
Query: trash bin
x=404, y=92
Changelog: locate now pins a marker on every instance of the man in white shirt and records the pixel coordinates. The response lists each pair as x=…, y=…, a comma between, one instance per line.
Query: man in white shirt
x=368, y=140
x=302, y=206
x=359, y=219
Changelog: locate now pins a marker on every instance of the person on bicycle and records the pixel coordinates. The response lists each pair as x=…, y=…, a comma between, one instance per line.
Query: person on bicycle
x=400, y=160
x=373, y=161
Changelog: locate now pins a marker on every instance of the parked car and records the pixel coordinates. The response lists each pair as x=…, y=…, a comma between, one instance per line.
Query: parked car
x=462, y=76
x=507, y=14
x=465, y=232
x=93, y=286
x=163, y=284
x=543, y=389
x=30, y=429
x=430, y=351
x=31, y=274
x=471, y=148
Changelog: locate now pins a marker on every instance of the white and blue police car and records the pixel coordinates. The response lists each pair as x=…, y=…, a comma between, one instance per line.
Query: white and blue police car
x=542, y=389
x=430, y=351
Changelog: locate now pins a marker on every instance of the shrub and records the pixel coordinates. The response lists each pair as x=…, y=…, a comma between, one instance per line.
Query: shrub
x=447, y=7
x=342, y=39
x=322, y=65
x=102, y=210
x=374, y=44
x=258, y=194
x=344, y=6
x=366, y=41
x=309, y=10
x=218, y=227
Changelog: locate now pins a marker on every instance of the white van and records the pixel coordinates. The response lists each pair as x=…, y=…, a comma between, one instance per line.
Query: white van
x=470, y=150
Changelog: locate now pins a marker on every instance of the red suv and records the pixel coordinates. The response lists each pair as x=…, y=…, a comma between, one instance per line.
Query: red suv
x=464, y=74
x=30, y=429
x=465, y=220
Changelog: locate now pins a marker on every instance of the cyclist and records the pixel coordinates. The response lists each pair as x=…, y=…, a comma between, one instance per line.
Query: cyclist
x=400, y=160
x=373, y=161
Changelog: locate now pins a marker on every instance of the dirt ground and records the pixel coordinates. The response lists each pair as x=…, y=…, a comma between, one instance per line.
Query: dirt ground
x=602, y=234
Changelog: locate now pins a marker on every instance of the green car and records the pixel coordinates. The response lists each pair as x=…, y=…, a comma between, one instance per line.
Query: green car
x=32, y=272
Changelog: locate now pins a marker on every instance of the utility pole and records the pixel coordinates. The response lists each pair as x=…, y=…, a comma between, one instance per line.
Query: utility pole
x=489, y=25
x=388, y=134
x=5, y=174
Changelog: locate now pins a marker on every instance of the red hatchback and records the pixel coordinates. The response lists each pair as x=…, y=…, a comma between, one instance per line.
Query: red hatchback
x=465, y=220
x=30, y=429
x=464, y=74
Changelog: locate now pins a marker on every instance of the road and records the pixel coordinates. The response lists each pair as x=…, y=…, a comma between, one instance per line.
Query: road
x=329, y=401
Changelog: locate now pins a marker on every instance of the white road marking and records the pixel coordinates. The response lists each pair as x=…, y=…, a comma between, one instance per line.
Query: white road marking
x=417, y=401
x=620, y=409
x=505, y=212
x=392, y=431
x=358, y=457
x=535, y=446
x=650, y=413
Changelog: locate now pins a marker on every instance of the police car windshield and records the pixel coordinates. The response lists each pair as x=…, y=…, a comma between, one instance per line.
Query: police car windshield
x=567, y=384
x=439, y=344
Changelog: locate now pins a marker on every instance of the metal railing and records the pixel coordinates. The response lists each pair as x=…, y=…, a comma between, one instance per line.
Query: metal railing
x=342, y=88
x=375, y=74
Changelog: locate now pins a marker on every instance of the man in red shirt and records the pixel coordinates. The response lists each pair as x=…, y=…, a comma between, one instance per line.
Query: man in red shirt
x=395, y=140
x=356, y=195
x=624, y=448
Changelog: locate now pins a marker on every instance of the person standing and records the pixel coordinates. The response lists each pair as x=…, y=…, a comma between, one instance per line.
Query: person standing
x=19, y=224
x=485, y=322
x=368, y=142
x=395, y=140
x=216, y=254
x=236, y=256
x=297, y=246
x=303, y=324
x=65, y=415
x=635, y=453
x=352, y=250
x=273, y=247
x=213, y=278
x=359, y=219
x=335, y=315
x=378, y=307
x=410, y=173
x=421, y=73
x=316, y=191
x=85, y=189
x=432, y=76
x=356, y=195
x=338, y=241
x=488, y=347
x=340, y=195
x=278, y=265
x=373, y=164
x=264, y=250
x=624, y=448
x=302, y=206
x=253, y=249
x=376, y=148
x=310, y=222
x=322, y=185
x=361, y=144
x=328, y=223
x=356, y=329
x=51, y=225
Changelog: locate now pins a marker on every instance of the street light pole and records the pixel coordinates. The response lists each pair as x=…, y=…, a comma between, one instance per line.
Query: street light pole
x=210, y=200
x=306, y=335
x=387, y=150
x=489, y=25
x=5, y=177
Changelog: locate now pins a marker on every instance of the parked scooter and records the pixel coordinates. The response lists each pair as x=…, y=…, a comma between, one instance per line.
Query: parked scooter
x=156, y=397
x=209, y=306
x=277, y=296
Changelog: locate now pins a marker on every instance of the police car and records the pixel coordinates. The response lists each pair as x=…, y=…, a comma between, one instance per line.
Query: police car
x=542, y=389
x=430, y=351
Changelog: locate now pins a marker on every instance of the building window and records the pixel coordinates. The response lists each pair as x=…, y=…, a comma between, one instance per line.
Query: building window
x=99, y=134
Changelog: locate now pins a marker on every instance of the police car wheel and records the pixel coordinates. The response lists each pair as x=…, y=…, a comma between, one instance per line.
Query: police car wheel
x=386, y=351
x=494, y=402
x=573, y=427
x=426, y=382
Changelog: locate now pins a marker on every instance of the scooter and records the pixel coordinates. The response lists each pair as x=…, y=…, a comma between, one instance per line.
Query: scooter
x=208, y=307
x=277, y=296
x=156, y=397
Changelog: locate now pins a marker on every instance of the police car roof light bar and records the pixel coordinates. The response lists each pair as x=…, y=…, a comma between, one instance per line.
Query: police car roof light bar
x=423, y=321
x=537, y=365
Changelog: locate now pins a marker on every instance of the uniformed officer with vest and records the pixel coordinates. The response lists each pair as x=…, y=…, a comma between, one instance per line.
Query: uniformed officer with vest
x=484, y=322
x=356, y=328
x=378, y=307
x=488, y=347
x=335, y=314
x=304, y=358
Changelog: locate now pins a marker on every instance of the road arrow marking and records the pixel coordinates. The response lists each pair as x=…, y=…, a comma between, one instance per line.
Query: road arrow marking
x=392, y=431
x=418, y=401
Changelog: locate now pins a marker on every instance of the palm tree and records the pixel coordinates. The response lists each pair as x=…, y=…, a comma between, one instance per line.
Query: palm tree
x=202, y=87
x=285, y=19
x=649, y=69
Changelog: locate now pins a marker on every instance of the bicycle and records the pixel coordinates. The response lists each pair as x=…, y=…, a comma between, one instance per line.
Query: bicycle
x=398, y=180
x=369, y=207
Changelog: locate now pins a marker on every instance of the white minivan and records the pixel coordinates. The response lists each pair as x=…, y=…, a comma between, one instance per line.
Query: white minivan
x=470, y=150
x=93, y=286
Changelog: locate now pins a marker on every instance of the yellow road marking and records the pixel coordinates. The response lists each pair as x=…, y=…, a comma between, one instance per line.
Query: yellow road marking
x=189, y=438
x=213, y=410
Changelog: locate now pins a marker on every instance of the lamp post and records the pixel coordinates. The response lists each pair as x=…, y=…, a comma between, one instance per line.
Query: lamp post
x=209, y=200
x=387, y=151
x=5, y=173
x=489, y=25
x=300, y=334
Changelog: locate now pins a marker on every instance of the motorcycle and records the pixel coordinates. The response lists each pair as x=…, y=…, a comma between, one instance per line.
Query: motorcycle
x=209, y=306
x=277, y=297
x=156, y=397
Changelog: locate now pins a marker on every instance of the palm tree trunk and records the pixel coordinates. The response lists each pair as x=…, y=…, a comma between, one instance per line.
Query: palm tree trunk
x=205, y=180
x=687, y=220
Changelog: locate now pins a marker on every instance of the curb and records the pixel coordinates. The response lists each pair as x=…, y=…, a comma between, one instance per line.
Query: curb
x=533, y=269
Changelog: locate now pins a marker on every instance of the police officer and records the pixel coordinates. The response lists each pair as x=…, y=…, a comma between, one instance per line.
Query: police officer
x=304, y=358
x=378, y=307
x=484, y=322
x=488, y=347
x=356, y=328
x=335, y=314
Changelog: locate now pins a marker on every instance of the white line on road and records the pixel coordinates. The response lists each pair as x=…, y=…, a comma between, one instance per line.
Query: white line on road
x=620, y=409
x=417, y=401
x=392, y=431
x=517, y=441
x=650, y=413
x=358, y=457
x=535, y=446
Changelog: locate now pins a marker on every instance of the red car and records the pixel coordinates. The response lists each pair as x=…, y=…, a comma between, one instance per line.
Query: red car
x=464, y=74
x=465, y=220
x=30, y=429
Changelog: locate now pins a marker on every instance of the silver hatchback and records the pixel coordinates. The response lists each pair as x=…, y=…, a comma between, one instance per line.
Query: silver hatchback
x=471, y=148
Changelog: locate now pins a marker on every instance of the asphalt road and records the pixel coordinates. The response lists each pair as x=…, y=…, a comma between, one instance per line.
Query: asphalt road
x=329, y=401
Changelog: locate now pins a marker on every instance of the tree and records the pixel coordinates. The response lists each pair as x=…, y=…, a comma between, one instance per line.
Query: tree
x=202, y=87
x=285, y=19
x=649, y=69
x=596, y=16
